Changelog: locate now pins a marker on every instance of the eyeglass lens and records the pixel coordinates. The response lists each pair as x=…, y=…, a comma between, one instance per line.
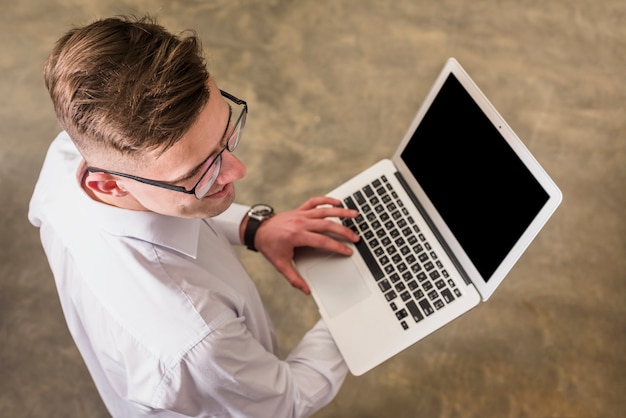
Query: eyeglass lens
x=205, y=183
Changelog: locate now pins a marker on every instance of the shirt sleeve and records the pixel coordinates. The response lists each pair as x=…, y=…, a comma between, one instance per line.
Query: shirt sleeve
x=229, y=222
x=232, y=374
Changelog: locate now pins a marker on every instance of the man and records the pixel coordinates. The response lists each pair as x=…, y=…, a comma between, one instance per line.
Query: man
x=136, y=214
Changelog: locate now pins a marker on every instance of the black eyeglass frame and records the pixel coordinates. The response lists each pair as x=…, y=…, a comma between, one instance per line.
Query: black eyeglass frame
x=240, y=119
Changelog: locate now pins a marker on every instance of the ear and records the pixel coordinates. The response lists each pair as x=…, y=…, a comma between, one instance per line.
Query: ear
x=103, y=183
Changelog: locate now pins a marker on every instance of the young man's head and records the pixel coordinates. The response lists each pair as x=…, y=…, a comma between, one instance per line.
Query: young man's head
x=138, y=102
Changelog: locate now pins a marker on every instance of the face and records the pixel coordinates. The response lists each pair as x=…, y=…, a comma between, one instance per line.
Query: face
x=183, y=165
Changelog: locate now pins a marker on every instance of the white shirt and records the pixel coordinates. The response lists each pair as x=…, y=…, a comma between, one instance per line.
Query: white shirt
x=164, y=314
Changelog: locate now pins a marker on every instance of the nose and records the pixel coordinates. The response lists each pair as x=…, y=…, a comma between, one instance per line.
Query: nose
x=232, y=169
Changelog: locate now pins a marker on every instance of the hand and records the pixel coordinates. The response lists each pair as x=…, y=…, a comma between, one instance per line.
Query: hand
x=306, y=226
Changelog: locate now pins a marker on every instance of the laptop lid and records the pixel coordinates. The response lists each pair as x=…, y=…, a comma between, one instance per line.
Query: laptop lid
x=475, y=181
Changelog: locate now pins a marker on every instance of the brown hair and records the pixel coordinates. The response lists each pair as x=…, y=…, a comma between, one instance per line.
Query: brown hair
x=126, y=85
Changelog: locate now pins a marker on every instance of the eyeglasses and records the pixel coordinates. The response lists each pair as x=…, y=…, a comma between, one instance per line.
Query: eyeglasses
x=209, y=176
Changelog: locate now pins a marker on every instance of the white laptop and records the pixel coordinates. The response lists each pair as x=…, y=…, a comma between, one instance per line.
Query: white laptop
x=442, y=223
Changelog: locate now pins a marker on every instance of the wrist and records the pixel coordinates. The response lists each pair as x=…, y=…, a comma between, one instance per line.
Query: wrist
x=256, y=216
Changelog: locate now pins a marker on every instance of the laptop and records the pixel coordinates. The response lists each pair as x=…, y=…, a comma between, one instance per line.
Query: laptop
x=441, y=223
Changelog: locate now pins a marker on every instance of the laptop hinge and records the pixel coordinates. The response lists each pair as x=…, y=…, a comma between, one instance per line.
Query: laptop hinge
x=431, y=225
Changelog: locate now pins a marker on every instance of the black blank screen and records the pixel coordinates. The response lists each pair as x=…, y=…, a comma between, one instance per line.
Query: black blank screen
x=479, y=186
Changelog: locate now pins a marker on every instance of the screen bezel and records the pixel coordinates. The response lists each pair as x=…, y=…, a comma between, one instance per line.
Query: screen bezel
x=485, y=286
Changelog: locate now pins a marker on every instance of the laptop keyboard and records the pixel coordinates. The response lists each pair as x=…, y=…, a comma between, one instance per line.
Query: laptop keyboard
x=408, y=271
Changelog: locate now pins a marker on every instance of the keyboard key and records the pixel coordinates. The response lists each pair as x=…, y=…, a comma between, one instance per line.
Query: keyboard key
x=390, y=296
x=414, y=310
x=384, y=285
x=401, y=314
x=447, y=295
x=425, y=305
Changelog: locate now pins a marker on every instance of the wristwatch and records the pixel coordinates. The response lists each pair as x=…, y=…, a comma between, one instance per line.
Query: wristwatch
x=257, y=214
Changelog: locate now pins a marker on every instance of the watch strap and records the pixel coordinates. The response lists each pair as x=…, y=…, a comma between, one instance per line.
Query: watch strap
x=250, y=232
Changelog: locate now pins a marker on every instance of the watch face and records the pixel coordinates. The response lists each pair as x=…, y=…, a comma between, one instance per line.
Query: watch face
x=261, y=211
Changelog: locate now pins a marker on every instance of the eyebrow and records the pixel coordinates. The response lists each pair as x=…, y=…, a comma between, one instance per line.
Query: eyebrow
x=194, y=171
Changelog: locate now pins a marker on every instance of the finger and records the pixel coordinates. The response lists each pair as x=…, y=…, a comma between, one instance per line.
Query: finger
x=294, y=278
x=341, y=231
x=324, y=242
x=324, y=226
x=318, y=201
x=332, y=212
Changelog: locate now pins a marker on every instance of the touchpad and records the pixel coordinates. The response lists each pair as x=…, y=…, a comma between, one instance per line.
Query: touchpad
x=338, y=284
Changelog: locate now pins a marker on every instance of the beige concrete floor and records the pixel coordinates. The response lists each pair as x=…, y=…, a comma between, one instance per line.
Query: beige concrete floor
x=332, y=85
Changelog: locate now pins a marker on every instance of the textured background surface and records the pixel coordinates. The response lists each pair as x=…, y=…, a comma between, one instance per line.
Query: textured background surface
x=332, y=86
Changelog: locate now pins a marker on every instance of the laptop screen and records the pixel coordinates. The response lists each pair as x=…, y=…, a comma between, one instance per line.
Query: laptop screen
x=472, y=176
